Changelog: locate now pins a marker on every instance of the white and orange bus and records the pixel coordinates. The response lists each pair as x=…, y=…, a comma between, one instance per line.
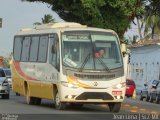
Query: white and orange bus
x=58, y=62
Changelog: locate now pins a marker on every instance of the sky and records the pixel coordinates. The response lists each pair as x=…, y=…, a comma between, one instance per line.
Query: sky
x=17, y=15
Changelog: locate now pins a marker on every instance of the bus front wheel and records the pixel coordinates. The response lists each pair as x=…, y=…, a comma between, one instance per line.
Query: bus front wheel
x=58, y=104
x=114, y=107
x=37, y=101
x=5, y=96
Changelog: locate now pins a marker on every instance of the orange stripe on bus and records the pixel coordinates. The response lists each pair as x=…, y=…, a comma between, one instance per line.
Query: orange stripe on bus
x=19, y=70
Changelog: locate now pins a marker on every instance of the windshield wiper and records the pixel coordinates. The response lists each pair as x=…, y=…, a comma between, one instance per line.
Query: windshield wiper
x=84, y=63
x=104, y=65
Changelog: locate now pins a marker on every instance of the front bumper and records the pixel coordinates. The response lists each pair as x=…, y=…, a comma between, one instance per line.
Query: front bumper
x=4, y=90
x=82, y=95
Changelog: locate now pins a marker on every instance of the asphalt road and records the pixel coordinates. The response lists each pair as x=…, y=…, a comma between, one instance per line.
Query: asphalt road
x=17, y=105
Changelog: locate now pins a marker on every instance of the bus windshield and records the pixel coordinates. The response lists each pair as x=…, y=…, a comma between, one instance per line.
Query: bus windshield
x=92, y=51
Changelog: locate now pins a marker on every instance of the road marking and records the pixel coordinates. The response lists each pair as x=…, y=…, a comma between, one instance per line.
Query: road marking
x=143, y=109
x=133, y=111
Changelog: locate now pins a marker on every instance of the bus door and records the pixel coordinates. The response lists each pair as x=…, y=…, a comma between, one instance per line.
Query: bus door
x=53, y=68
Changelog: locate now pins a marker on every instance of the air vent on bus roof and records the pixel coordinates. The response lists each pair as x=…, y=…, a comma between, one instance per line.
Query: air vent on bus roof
x=26, y=29
x=59, y=25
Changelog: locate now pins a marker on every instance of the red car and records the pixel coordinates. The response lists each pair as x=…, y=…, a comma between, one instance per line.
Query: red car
x=130, y=88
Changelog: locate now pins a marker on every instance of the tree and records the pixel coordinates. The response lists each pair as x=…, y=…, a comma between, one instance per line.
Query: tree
x=140, y=25
x=152, y=16
x=111, y=14
x=6, y=63
x=47, y=19
x=154, y=6
x=153, y=22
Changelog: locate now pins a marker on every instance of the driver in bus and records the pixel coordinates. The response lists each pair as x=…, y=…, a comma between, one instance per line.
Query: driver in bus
x=100, y=54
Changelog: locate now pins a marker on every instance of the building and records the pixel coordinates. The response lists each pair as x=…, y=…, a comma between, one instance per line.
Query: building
x=144, y=62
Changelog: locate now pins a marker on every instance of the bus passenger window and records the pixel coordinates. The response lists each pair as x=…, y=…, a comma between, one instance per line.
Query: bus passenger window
x=34, y=49
x=52, y=55
x=25, y=49
x=54, y=52
x=43, y=48
x=17, y=48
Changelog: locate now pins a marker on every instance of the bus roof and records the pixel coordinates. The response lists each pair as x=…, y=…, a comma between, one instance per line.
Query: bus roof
x=55, y=27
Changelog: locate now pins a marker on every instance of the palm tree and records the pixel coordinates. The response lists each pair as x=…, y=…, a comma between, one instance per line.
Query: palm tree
x=139, y=18
x=46, y=19
x=151, y=19
x=153, y=22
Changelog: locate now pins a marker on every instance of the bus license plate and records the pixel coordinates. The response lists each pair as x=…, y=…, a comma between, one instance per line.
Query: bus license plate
x=116, y=92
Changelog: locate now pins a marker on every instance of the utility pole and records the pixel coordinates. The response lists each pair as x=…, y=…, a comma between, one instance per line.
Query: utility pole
x=1, y=58
x=0, y=22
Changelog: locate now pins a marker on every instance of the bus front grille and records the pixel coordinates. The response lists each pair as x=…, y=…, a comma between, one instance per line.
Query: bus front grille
x=2, y=91
x=94, y=76
x=94, y=95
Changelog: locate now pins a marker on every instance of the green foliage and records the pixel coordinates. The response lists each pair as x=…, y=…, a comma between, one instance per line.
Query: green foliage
x=6, y=63
x=154, y=7
x=46, y=19
x=110, y=14
x=152, y=16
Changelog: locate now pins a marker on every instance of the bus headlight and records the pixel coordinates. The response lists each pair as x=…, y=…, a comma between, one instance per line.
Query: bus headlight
x=70, y=85
x=118, y=86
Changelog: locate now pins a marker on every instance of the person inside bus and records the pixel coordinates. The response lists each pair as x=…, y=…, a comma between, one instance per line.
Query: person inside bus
x=100, y=54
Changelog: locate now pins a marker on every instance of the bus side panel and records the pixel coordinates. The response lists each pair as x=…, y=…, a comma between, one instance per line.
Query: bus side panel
x=35, y=79
x=22, y=82
x=17, y=82
x=49, y=80
x=47, y=90
x=34, y=88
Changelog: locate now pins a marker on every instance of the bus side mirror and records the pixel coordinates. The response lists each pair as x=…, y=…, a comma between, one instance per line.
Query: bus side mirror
x=123, y=48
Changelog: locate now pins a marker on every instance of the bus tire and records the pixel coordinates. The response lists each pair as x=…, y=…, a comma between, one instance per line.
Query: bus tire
x=5, y=96
x=58, y=104
x=37, y=101
x=17, y=94
x=114, y=107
